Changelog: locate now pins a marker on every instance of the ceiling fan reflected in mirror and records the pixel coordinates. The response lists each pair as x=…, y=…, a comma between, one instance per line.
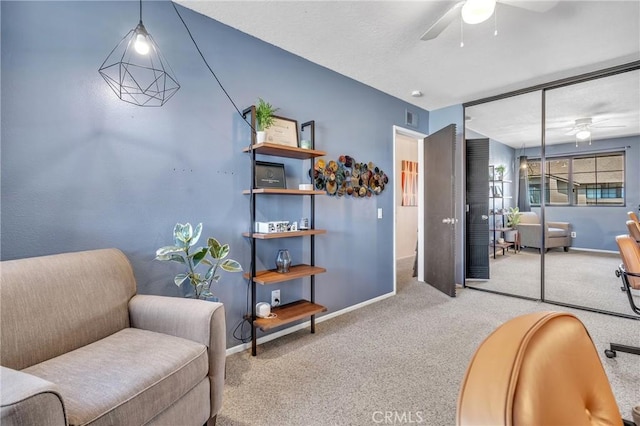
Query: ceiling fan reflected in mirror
x=582, y=129
x=477, y=11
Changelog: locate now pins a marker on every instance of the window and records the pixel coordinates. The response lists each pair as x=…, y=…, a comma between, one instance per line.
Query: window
x=593, y=180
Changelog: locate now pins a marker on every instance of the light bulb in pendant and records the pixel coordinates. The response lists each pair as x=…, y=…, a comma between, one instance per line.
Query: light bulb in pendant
x=141, y=44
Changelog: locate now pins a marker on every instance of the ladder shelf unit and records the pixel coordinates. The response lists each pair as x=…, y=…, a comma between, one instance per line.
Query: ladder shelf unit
x=299, y=309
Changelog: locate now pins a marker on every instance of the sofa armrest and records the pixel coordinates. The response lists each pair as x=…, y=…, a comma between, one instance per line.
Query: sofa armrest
x=29, y=400
x=197, y=320
x=560, y=225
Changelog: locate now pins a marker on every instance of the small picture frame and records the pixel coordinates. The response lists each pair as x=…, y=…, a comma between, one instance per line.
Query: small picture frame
x=269, y=175
x=283, y=131
x=497, y=191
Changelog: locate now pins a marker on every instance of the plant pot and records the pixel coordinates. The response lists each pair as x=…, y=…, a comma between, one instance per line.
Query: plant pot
x=261, y=137
x=510, y=236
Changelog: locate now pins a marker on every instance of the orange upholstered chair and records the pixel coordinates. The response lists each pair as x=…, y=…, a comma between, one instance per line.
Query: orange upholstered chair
x=629, y=270
x=633, y=216
x=537, y=369
x=634, y=229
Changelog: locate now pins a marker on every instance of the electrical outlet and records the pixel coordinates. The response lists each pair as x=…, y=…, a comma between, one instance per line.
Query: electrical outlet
x=379, y=212
x=275, y=297
x=573, y=235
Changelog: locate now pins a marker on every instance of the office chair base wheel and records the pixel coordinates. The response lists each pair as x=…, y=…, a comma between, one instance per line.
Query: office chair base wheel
x=609, y=353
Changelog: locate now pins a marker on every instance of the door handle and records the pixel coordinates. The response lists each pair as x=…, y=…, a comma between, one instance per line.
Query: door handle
x=447, y=220
x=485, y=217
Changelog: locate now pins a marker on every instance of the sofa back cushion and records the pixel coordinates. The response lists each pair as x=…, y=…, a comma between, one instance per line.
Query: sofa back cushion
x=55, y=304
x=529, y=217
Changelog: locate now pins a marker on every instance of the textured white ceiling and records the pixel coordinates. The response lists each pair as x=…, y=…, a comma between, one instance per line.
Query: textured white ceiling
x=612, y=101
x=378, y=42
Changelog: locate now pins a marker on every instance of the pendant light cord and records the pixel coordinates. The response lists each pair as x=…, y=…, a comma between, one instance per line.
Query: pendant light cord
x=141, y=11
x=208, y=66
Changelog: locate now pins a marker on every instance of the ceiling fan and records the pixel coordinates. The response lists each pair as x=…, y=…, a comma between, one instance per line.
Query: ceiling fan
x=582, y=129
x=477, y=11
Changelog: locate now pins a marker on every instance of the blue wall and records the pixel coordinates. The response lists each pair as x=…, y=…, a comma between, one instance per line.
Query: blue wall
x=83, y=170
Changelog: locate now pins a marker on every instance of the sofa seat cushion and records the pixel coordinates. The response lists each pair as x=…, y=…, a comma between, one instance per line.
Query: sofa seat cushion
x=558, y=233
x=126, y=378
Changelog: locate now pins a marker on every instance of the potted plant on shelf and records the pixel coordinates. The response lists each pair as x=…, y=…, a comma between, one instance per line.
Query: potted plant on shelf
x=264, y=118
x=513, y=220
x=500, y=169
x=185, y=237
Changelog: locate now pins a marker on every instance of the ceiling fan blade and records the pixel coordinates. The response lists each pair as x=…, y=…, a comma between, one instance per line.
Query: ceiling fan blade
x=605, y=127
x=442, y=22
x=572, y=132
x=532, y=5
x=559, y=127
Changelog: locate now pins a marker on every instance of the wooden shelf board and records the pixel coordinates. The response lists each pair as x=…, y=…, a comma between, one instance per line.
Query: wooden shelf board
x=302, y=233
x=284, y=151
x=289, y=313
x=296, y=271
x=283, y=191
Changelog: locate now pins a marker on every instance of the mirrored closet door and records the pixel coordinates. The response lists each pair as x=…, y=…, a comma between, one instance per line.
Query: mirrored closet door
x=592, y=178
x=500, y=136
x=567, y=156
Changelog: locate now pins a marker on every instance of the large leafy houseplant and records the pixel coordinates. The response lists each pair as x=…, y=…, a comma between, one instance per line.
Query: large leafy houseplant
x=513, y=220
x=213, y=257
x=513, y=217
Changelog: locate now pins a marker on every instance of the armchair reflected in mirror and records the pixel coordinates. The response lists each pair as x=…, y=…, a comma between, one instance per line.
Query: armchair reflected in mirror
x=556, y=234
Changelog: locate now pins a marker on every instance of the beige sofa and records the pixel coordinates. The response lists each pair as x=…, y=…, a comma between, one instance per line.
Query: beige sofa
x=79, y=347
x=557, y=234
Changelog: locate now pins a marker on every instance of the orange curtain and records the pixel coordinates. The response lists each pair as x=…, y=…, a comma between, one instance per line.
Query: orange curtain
x=409, y=183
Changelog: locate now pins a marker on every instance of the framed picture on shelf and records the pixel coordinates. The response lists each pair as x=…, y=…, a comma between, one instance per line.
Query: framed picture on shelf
x=283, y=131
x=269, y=175
x=497, y=191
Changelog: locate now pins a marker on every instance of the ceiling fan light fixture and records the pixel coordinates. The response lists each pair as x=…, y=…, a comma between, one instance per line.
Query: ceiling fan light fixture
x=477, y=11
x=583, y=134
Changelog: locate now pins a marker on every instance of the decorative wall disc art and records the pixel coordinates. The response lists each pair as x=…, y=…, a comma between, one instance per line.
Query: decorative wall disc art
x=347, y=177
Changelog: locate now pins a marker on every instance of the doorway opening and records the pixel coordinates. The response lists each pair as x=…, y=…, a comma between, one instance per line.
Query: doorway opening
x=407, y=206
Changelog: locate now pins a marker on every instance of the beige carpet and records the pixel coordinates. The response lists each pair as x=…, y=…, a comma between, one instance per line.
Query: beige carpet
x=577, y=277
x=406, y=355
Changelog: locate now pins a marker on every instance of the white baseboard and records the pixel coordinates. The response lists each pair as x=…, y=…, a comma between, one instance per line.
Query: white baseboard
x=272, y=336
x=593, y=250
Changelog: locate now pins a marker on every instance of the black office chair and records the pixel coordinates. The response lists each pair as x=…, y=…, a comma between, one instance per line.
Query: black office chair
x=629, y=272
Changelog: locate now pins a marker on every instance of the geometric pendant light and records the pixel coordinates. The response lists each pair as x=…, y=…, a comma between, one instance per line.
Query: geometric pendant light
x=137, y=71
